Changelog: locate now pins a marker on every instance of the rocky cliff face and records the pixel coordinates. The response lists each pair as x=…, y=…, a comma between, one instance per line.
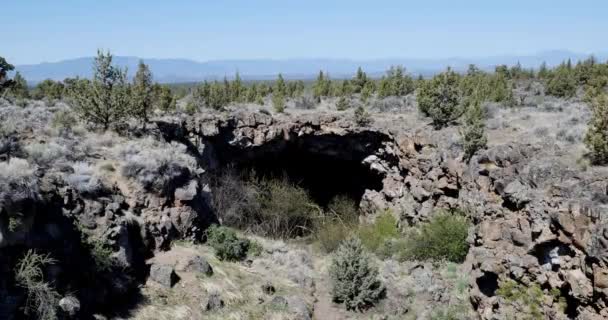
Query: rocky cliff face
x=538, y=218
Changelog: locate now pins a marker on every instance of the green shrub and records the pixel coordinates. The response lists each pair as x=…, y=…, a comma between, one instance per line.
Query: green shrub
x=530, y=297
x=342, y=104
x=63, y=119
x=354, y=278
x=439, y=98
x=226, y=244
x=443, y=238
x=562, y=83
x=190, y=108
x=596, y=138
x=278, y=102
x=337, y=224
x=362, y=117
x=473, y=132
x=255, y=248
x=374, y=236
x=103, y=101
x=285, y=209
x=41, y=297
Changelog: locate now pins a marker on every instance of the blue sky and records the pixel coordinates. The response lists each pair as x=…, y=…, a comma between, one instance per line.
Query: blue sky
x=35, y=31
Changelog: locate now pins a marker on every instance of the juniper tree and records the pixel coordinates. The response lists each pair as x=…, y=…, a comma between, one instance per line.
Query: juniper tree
x=48, y=89
x=359, y=81
x=342, y=103
x=280, y=86
x=237, y=89
x=142, y=94
x=473, y=132
x=278, y=101
x=322, y=86
x=543, y=71
x=5, y=67
x=19, y=88
x=354, y=278
x=104, y=100
x=562, y=82
x=367, y=91
x=596, y=138
x=164, y=99
x=440, y=97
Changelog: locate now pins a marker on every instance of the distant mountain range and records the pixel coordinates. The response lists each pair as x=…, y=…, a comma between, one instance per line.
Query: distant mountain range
x=184, y=70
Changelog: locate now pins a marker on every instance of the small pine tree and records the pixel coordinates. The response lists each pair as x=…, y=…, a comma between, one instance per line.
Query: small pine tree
x=280, y=86
x=104, y=100
x=362, y=117
x=278, y=102
x=440, y=98
x=473, y=132
x=543, y=71
x=142, y=94
x=237, y=89
x=562, y=83
x=322, y=86
x=342, y=103
x=367, y=91
x=359, y=81
x=354, y=278
x=596, y=138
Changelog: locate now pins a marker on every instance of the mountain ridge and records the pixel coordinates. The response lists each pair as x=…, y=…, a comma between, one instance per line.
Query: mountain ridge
x=175, y=70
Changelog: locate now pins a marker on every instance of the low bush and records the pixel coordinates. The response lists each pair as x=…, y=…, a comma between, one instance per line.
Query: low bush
x=227, y=245
x=45, y=154
x=337, y=224
x=362, y=116
x=285, y=209
x=374, y=236
x=18, y=182
x=354, y=278
x=442, y=238
x=596, y=138
x=156, y=166
x=42, y=299
x=530, y=297
x=84, y=180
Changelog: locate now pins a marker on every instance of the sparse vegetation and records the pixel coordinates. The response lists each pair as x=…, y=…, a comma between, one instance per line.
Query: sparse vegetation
x=473, y=132
x=362, y=116
x=528, y=296
x=142, y=94
x=444, y=237
x=596, y=138
x=354, y=278
x=42, y=298
x=5, y=67
x=374, y=236
x=440, y=98
x=227, y=245
x=104, y=101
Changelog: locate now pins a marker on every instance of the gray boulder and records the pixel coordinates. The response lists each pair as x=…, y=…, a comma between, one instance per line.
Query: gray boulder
x=70, y=305
x=214, y=302
x=163, y=275
x=199, y=265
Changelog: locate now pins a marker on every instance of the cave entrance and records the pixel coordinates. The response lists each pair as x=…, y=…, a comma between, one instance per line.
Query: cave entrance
x=325, y=166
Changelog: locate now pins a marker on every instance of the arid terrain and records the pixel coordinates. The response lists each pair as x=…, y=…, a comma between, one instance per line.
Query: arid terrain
x=392, y=198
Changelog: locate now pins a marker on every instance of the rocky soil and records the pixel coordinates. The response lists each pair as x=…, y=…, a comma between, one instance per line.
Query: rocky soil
x=118, y=213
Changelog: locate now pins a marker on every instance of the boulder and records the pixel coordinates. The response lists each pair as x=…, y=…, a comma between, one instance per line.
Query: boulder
x=163, y=274
x=214, y=302
x=70, y=306
x=198, y=265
